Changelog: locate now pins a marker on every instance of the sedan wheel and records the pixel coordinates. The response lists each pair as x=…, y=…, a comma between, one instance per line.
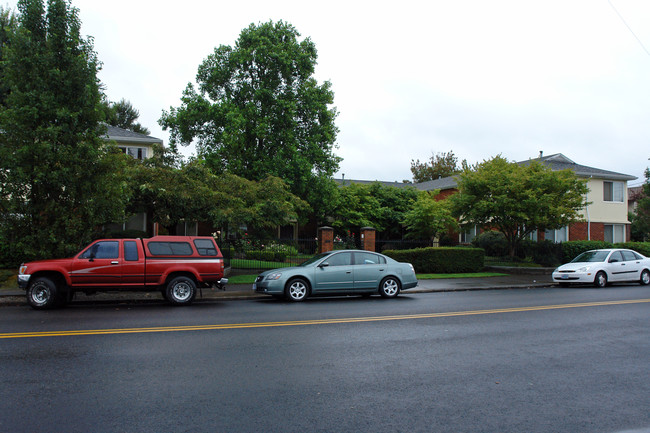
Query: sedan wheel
x=645, y=277
x=601, y=280
x=389, y=287
x=297, y=290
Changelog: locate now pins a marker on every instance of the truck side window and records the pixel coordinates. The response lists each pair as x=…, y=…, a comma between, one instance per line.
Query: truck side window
x=130, y=251
x=170, y=248
x=205, y=247
x=102, y=250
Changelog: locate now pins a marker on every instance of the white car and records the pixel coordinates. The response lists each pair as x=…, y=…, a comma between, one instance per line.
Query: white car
x=599, y=267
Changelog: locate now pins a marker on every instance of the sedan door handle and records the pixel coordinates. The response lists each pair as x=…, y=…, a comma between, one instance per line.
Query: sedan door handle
x=348, y=272
x=115, y=262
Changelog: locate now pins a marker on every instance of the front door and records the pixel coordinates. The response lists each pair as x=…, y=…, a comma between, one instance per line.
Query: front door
x=98, y=266
x=335, y=273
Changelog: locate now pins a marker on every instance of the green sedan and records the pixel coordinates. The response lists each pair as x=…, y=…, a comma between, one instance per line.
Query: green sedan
x=338, y=273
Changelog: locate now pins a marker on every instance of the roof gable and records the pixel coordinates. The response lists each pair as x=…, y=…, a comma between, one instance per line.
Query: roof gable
x=121, y=135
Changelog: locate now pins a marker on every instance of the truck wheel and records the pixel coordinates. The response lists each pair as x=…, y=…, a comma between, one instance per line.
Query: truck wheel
x=181, y=291
x=41, y=294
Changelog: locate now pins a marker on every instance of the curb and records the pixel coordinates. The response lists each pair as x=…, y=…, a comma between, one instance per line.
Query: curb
x=17, y=298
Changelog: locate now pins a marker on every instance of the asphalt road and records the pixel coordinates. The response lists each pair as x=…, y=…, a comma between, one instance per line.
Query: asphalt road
x=539, y=360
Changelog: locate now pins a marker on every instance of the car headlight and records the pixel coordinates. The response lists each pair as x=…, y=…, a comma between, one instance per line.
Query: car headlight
x=274, y=276
x=584, y=269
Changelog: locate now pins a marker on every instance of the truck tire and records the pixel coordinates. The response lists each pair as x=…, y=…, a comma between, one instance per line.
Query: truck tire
x=42, y=294
x=181, y=291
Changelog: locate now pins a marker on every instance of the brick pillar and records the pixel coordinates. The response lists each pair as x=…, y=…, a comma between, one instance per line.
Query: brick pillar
x=325, y=239
x=368, y=238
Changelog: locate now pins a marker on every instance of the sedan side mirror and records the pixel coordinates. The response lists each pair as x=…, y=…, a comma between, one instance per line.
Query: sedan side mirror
x=323, y=265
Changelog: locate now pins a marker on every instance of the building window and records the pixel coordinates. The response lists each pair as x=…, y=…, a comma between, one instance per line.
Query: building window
x=557, y=236
x=468, y=236
x=613, y=191
x=614, y=233
x=136, y=152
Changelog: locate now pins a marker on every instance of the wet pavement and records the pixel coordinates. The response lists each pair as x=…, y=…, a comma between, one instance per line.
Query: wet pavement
x=245, y=291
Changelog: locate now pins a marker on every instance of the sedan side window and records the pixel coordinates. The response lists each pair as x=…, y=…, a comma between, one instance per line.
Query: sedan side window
x=616, y=257
x=368, y=259
x=628, y=256
x=341, y=259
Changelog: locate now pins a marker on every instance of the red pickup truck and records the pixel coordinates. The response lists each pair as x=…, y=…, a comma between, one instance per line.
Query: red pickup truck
x=173, y=265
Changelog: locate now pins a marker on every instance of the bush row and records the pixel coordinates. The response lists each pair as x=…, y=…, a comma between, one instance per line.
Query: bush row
x=448, y=260
x=548, y=253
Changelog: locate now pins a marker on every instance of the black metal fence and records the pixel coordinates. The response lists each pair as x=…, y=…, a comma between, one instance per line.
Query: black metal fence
x=383, y=245
x=255, y=255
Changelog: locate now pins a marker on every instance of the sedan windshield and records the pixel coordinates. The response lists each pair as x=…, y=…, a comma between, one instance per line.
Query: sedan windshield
x=591, y=256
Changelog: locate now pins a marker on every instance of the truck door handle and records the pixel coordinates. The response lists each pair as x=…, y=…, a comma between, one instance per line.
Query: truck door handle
x=114, y=262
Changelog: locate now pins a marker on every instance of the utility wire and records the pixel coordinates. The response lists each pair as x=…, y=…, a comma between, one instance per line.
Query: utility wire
x=628, y=27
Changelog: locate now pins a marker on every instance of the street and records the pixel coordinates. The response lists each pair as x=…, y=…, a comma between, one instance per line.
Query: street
x=537, y=360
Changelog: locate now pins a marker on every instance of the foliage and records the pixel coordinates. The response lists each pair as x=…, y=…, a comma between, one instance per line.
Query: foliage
x=518, y=199
x=494, y=243
x=58, y=180
x=123, y=115
x=170, y=192
x=7, y=26
x=439, y=165
x=429, y=218
x=375, y=205
x=641, y=218
x=258, y=112
x=441, y=260
x=546, y=253
x=572, y=249
x=639, y=247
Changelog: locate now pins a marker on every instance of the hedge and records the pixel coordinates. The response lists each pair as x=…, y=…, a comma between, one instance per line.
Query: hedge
x=441, y=260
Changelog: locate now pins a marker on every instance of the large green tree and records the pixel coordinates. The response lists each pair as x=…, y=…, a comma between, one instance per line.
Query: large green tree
x=641, y=218
x=439, y=165
x=257, y=111
x=58, y=180
x=375, y=205
x=124, y=115
x=429, y=218
x=170, y=191
x=7, y=26
x=518, y=199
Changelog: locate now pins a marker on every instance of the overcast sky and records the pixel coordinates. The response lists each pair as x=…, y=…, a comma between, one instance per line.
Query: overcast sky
x=412, y=78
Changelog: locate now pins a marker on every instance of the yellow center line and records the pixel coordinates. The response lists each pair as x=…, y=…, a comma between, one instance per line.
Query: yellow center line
x=312, y=322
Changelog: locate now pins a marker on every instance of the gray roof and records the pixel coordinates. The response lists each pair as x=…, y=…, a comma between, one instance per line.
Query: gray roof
x=556, y=162
x=121, y=135
x=442, y=184
x=346, y=182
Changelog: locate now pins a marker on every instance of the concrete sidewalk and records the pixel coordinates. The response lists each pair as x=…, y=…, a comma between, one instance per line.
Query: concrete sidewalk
x=245, y=291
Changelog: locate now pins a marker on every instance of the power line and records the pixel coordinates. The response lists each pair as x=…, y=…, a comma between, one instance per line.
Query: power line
x=629, y=28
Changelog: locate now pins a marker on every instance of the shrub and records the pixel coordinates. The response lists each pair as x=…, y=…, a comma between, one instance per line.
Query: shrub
x=494, y=243
x=571, y=249
x=639, y=247
x=441, y=260
x=545, y=253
